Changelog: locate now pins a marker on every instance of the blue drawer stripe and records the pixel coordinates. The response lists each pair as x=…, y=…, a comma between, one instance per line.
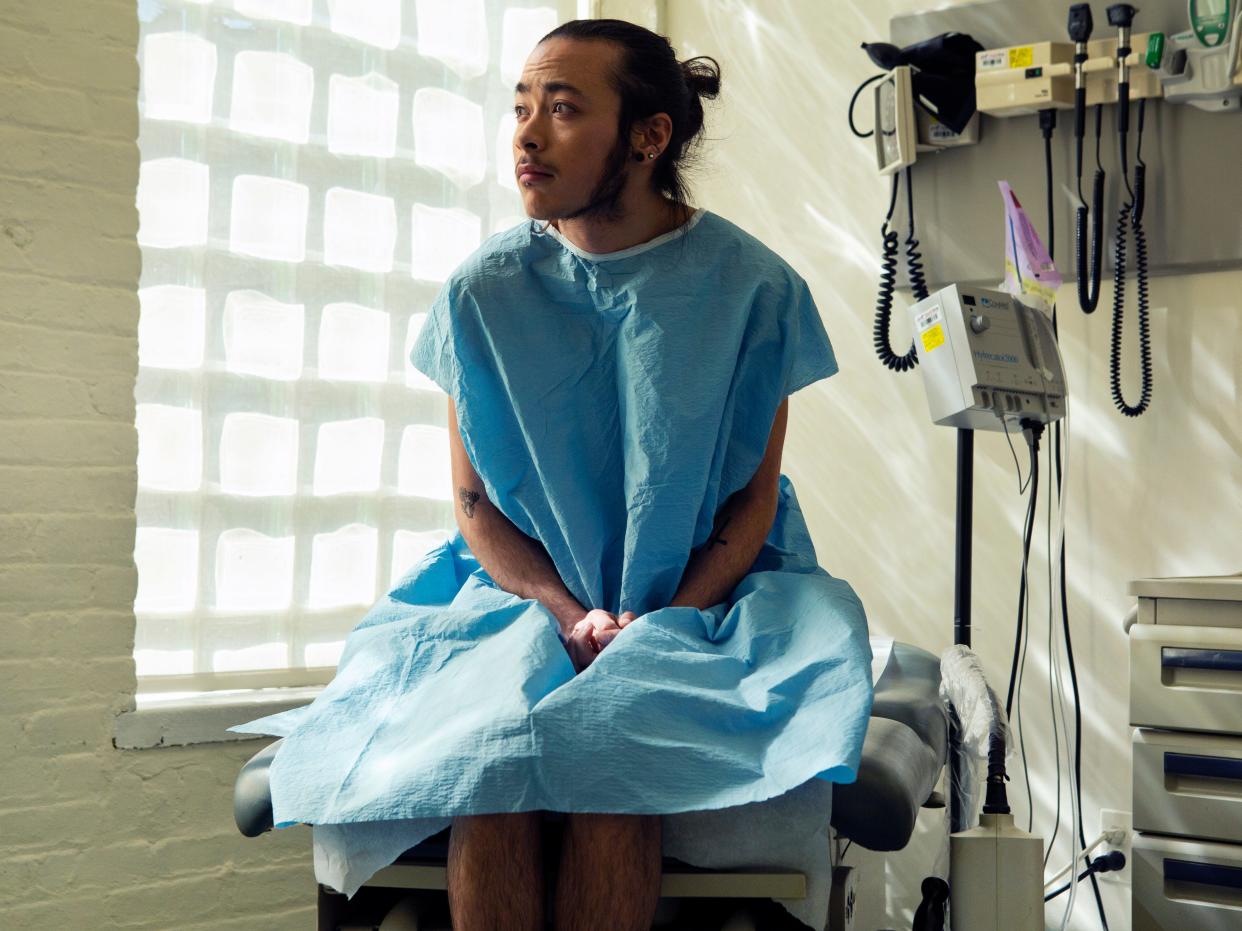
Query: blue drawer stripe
x=1210, y=767
x=1205, y=874
x=1175, y=657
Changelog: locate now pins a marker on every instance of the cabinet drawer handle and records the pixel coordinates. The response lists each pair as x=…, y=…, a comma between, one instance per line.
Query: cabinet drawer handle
x=1178, y=658
x=1205, y=874
x=1208, y=767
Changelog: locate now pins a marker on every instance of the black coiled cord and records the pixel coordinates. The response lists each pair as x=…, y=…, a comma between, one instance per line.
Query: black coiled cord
x=888, y=286
x=1089, y=283
x=1131, y=215
x=914, y=261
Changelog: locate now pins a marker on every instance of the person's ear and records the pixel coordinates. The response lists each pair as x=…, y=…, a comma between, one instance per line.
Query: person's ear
x=651, y=136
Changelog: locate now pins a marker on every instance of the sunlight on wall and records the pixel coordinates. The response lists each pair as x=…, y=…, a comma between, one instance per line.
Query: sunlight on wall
x=171, y=326
x=353, y=343
x=876, y=478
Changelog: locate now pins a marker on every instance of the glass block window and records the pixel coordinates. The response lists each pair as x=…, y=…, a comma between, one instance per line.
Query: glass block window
x=311, y=172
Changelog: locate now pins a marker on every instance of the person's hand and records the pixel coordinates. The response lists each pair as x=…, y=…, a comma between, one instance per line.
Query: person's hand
x=586, y=639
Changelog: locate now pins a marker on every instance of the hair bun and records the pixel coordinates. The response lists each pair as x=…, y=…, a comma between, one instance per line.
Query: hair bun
x=702, y=75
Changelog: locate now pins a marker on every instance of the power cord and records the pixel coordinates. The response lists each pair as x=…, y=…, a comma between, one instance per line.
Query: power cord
x=1067, y=636
x=1032, y=430
x=854, y=99
x=1089, y=280
x=1113, y=860
x=1103, y=838
x=1047, y=126
x=1022, y=484
x=1060, y=457
x=1052, y=658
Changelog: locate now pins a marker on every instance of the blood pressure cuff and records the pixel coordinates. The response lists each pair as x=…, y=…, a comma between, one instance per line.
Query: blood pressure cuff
x=943, y=77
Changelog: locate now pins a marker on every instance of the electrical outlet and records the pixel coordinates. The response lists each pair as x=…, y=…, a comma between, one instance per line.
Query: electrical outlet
x=1120, y=824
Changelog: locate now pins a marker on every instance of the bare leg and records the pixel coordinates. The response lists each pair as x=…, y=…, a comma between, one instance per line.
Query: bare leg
x=609, y=873
x=495, y=873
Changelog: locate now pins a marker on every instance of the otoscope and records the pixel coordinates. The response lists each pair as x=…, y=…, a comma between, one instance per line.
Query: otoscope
x=1080, y=26
x=1121, y=15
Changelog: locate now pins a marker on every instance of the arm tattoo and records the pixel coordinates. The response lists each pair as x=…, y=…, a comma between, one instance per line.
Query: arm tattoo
x=468, y=499
x=718, y=538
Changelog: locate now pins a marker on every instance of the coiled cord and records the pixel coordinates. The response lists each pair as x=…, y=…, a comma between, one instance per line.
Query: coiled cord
x=888, y=286
x=1089, y=284
x=1131, y=215
x=914, y=260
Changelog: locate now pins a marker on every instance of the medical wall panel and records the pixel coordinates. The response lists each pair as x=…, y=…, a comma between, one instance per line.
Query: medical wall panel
x=1191, y=157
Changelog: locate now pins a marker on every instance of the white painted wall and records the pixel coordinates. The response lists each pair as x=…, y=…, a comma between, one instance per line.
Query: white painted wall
x=1157, y=496
x=95, y=837
x=92, y=836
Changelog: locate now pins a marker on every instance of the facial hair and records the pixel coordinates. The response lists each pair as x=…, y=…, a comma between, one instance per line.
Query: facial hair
x=605, y=201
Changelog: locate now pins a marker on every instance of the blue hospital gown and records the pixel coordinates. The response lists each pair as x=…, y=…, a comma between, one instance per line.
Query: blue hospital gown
x=610, y=405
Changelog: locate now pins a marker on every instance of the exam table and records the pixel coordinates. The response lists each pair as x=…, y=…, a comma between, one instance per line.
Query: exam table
x=905, y=748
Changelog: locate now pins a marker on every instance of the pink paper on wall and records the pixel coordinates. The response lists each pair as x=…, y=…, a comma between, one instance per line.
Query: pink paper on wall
x=1029, y=272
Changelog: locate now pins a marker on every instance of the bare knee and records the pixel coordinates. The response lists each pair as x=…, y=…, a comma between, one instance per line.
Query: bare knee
x=495, y=871
x=494, y=848
x=624, y=846
x=610, y=872
x=503, y=827
x=607, y=829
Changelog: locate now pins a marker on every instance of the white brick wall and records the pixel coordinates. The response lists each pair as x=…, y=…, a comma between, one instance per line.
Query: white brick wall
x=91, y=836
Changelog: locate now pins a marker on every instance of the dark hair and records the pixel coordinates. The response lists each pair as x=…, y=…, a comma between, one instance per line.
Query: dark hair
x=650, y=80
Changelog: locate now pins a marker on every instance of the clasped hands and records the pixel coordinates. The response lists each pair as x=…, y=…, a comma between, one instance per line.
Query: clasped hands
x=588, y=637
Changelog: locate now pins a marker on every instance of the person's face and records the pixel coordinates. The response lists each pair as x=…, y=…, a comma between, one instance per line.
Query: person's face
x=566, y=131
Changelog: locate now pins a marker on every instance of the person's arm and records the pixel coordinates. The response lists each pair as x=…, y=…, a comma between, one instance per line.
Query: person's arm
x=517, y=563
x=742, y=524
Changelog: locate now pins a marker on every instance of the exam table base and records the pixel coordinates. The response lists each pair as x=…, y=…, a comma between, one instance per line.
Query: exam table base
x=699, y=907
x=690, y=897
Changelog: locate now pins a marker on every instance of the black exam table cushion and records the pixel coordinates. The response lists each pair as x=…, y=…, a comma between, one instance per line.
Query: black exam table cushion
x=904, y=750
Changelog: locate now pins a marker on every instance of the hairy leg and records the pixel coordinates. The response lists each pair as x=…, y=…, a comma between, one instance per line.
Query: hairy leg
x=609, y=872
x=495, y=872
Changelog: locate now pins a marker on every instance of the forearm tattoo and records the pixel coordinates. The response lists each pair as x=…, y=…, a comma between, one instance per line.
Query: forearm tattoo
x=718, y=538
x=468, y=499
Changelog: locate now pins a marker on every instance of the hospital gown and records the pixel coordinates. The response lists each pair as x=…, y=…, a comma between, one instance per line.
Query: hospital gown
x=610, y=404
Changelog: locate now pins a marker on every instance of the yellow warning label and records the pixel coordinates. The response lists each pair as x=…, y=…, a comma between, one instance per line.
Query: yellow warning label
x=1021, y=56
x=933, y=337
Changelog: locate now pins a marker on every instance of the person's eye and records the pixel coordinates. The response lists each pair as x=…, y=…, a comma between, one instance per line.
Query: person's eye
x=561, y=103
x=518, y=109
